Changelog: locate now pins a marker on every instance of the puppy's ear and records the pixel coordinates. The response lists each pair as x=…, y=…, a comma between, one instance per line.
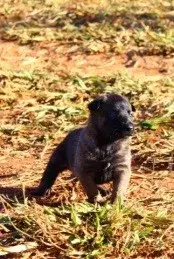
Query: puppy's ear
x=94, y=105
x=133, y=108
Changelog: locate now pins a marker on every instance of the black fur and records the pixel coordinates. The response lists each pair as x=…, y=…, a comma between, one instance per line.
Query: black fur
x=97, y=153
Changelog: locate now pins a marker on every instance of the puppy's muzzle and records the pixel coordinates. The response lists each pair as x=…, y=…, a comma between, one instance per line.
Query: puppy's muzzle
x=128, y=129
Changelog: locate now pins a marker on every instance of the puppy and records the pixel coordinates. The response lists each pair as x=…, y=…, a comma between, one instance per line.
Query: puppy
x=98, y=153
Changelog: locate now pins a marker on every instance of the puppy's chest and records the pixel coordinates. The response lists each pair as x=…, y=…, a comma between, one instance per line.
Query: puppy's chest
x=101, y=163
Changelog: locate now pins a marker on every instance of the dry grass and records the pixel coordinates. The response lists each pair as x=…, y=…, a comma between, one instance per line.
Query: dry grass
x=41, y=100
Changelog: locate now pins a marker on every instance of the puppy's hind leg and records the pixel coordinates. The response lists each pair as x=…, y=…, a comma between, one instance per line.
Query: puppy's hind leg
x=56, y=164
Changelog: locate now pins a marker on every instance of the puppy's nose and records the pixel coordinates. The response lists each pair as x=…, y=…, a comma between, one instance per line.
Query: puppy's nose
x=130, y=128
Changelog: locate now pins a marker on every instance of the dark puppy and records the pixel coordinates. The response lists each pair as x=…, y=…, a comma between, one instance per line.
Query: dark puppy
x=97, y=153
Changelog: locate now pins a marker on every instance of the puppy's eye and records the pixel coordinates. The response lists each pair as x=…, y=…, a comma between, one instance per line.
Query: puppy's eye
x=129, y=112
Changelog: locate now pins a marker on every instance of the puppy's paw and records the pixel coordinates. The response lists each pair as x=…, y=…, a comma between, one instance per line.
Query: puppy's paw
x=103, y=191
x=38, y=192
x=98, y=199
x=101, y=200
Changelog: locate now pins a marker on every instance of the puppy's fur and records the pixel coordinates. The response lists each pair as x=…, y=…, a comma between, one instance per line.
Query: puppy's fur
x=98, y=153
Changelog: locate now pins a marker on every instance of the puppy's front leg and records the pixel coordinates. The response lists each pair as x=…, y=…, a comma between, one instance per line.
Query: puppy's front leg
x=120, y=185
x=89, y=186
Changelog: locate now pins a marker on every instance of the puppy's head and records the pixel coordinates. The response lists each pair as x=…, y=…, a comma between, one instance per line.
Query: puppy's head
x=110, y=117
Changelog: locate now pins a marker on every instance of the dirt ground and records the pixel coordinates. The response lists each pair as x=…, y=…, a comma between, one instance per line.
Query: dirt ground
x=64, y=59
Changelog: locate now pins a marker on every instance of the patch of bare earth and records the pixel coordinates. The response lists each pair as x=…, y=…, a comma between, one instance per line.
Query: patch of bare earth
x=63, y=59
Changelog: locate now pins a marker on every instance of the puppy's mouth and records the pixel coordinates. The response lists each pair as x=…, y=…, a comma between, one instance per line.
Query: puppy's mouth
x=124, y=132
x=127, y=133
